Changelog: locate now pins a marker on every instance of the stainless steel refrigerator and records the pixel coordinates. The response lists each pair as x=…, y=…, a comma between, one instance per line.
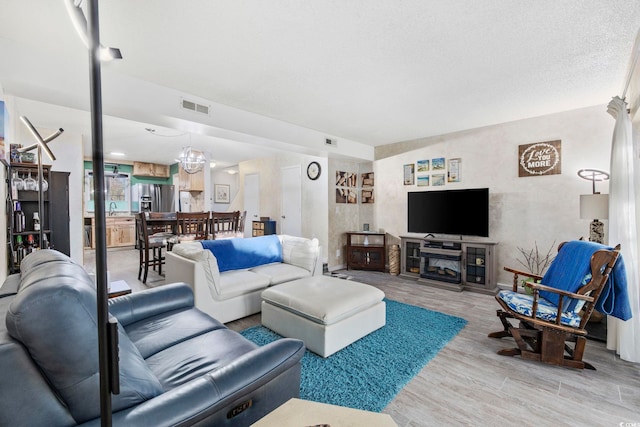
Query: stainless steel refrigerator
x=155, y=197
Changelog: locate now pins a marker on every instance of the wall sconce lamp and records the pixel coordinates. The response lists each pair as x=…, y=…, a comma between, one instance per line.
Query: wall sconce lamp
x=41, y=145
x=594, y=206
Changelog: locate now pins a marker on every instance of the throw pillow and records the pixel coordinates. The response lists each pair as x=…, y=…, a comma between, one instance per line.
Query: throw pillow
x=300, y=251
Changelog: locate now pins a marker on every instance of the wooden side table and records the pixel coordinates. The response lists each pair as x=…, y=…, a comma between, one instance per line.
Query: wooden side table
x=366, y=250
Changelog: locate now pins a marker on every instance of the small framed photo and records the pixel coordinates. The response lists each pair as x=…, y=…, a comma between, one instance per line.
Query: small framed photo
x=437, y=179
x=453, y=174
x=409, y=174
x=437, y=164
x=221, y=193
x=367, y=179
x=423, y=181
x=366, y=196
x=423, y=165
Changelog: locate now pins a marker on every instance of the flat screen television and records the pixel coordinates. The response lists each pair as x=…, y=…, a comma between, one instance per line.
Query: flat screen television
x=457, y=212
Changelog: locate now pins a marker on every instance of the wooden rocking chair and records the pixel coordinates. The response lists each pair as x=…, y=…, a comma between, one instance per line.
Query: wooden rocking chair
x=553, y=319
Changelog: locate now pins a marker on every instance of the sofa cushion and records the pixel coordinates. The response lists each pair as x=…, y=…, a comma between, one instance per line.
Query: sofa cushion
x=237, y=254
x=54, y=316
x=280, y=272
x=197, y=356
x=300, y=251
x=523, y=304
x=155, y=334
x=240, y=282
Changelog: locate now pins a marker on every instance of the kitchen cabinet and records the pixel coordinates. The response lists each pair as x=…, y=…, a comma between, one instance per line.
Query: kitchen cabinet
x=150, y=170
x=120, y=231
x=191, y=181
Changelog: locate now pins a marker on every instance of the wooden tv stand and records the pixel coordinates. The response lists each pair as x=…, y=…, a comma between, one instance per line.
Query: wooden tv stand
x=465, y=264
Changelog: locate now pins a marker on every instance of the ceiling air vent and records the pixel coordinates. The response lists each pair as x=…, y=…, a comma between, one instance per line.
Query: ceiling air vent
x=194, y=106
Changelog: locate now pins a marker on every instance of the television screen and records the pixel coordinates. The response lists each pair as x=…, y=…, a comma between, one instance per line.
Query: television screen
x=458, y=212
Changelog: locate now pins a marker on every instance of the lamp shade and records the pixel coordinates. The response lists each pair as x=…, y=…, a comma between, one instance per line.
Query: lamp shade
x=594, y=206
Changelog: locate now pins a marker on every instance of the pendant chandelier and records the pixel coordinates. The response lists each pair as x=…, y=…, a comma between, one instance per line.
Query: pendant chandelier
x=192, y=160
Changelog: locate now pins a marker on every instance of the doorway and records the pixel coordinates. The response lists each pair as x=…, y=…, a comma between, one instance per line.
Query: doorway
x=291, y=187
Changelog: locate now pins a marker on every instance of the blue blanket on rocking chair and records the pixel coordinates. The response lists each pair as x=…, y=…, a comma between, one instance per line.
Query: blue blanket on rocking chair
x=564, y=273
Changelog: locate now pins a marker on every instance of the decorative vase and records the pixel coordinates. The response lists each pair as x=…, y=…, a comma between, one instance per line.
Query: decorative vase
x=394, y=260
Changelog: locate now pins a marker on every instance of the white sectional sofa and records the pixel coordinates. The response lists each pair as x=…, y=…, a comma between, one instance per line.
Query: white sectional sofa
x=228, y=276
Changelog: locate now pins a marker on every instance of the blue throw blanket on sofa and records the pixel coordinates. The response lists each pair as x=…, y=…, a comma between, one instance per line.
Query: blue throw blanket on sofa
x=237, y=254
x=565, y=274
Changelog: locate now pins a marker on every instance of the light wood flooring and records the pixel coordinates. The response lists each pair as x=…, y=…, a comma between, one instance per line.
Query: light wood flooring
x=467, y=383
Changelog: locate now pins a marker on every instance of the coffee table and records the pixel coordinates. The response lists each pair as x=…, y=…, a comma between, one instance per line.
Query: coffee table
x=298, y=413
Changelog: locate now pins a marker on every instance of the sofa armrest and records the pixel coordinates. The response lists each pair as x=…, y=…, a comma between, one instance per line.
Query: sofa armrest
x=317, y=270
x=213, y=395
x=136, y=306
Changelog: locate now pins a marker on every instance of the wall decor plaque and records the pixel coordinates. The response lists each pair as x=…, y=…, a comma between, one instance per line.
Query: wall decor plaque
x=540, y=158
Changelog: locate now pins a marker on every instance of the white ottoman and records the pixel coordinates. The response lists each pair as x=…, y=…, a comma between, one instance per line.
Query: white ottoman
x=326, y=313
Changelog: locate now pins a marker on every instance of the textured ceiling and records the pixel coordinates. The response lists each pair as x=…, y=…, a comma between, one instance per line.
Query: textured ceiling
x=372, y=71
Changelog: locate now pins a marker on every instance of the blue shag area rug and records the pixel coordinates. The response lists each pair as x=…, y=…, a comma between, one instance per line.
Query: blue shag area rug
x=370, y=372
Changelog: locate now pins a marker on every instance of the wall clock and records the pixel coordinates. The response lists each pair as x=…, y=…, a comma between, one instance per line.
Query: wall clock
x=313, y=170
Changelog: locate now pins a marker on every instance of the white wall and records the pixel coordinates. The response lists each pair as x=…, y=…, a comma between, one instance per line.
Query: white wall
x=233, y=181
x=69, y=158
x=344, y=217
x=315, y=222
x=523, y=211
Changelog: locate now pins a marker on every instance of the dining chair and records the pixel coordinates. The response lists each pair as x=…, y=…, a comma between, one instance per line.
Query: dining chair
x=152, y=239
x=193, y=225
x=225, y=225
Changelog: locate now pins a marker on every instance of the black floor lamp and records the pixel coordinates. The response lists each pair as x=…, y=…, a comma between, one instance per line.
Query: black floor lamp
x=89, y=32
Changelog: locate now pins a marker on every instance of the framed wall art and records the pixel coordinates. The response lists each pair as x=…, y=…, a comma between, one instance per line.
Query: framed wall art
x=366, y=196
x=437, y=179
x=541, y=158
x=423, y=181
x=437, y=164
x=409, y=174
x=453, y=174
x=423, y=166
x=367, y=179
x=221, y=193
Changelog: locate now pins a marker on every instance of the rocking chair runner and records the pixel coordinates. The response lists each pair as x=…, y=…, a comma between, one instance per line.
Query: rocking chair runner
x=556, y=314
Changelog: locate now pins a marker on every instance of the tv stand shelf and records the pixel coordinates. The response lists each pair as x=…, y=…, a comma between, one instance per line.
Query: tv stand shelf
x=456, y=264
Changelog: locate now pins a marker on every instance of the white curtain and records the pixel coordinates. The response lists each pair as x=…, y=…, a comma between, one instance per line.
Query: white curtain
x=624, y=211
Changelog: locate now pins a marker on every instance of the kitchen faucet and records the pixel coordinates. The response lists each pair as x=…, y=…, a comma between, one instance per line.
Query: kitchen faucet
x=112, y=208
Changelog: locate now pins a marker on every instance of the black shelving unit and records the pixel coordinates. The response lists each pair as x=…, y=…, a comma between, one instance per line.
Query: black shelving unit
x=55, y=227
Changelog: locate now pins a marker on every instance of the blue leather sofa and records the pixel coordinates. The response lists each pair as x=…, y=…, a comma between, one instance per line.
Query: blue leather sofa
x=178, y=366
